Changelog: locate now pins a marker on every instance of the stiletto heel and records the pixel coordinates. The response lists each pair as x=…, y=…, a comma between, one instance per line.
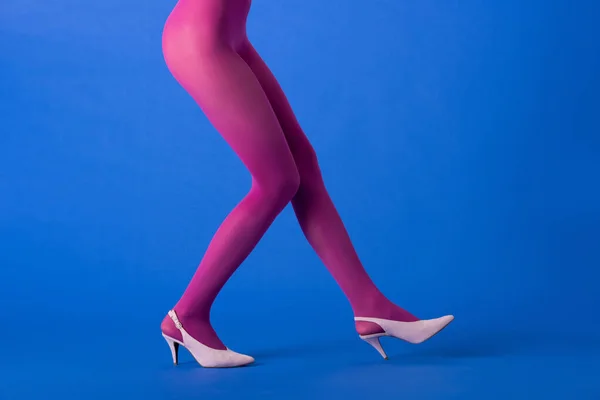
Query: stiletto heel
x=413, y=332
x=374, y=341
x=205, y=356
x=174, y=346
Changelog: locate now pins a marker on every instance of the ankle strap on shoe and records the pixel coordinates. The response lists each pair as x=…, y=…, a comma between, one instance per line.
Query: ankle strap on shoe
x=173, y=316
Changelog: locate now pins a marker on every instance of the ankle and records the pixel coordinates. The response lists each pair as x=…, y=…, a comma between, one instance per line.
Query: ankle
x=194, y=314
x=168, y=328
x=196, y=324
x=370, y=306
x=384, y=309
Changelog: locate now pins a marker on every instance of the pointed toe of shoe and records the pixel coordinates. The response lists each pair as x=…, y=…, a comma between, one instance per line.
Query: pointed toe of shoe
x=239, y=360
x=445, y=320
x=432, y=327
x=231, y=359
x=246, y=360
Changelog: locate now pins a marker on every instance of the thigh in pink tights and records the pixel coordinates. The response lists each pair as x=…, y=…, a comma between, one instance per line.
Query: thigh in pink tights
x=207, y=51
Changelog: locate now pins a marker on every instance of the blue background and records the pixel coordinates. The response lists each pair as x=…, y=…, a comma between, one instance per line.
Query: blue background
x=459, y=140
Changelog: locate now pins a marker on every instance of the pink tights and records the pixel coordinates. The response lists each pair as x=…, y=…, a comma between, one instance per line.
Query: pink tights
x=207, y=51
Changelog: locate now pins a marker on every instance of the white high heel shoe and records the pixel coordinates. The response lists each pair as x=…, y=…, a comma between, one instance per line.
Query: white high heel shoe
x=412, y=332
x=204, y=355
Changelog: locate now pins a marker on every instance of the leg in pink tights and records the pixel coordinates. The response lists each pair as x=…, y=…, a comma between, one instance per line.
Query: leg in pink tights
x=200, y=40
x=317, y=214
x=206, y=50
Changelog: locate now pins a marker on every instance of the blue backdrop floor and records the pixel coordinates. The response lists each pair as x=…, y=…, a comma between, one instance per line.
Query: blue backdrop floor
x=458, y=365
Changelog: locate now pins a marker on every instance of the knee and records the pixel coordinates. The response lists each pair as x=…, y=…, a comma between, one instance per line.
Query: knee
x=287, y=185
x=281, y=187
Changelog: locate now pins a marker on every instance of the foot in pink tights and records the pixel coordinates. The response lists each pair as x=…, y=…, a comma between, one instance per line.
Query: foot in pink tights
x=200, y=328
x=384, y=310
x=204, y=330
